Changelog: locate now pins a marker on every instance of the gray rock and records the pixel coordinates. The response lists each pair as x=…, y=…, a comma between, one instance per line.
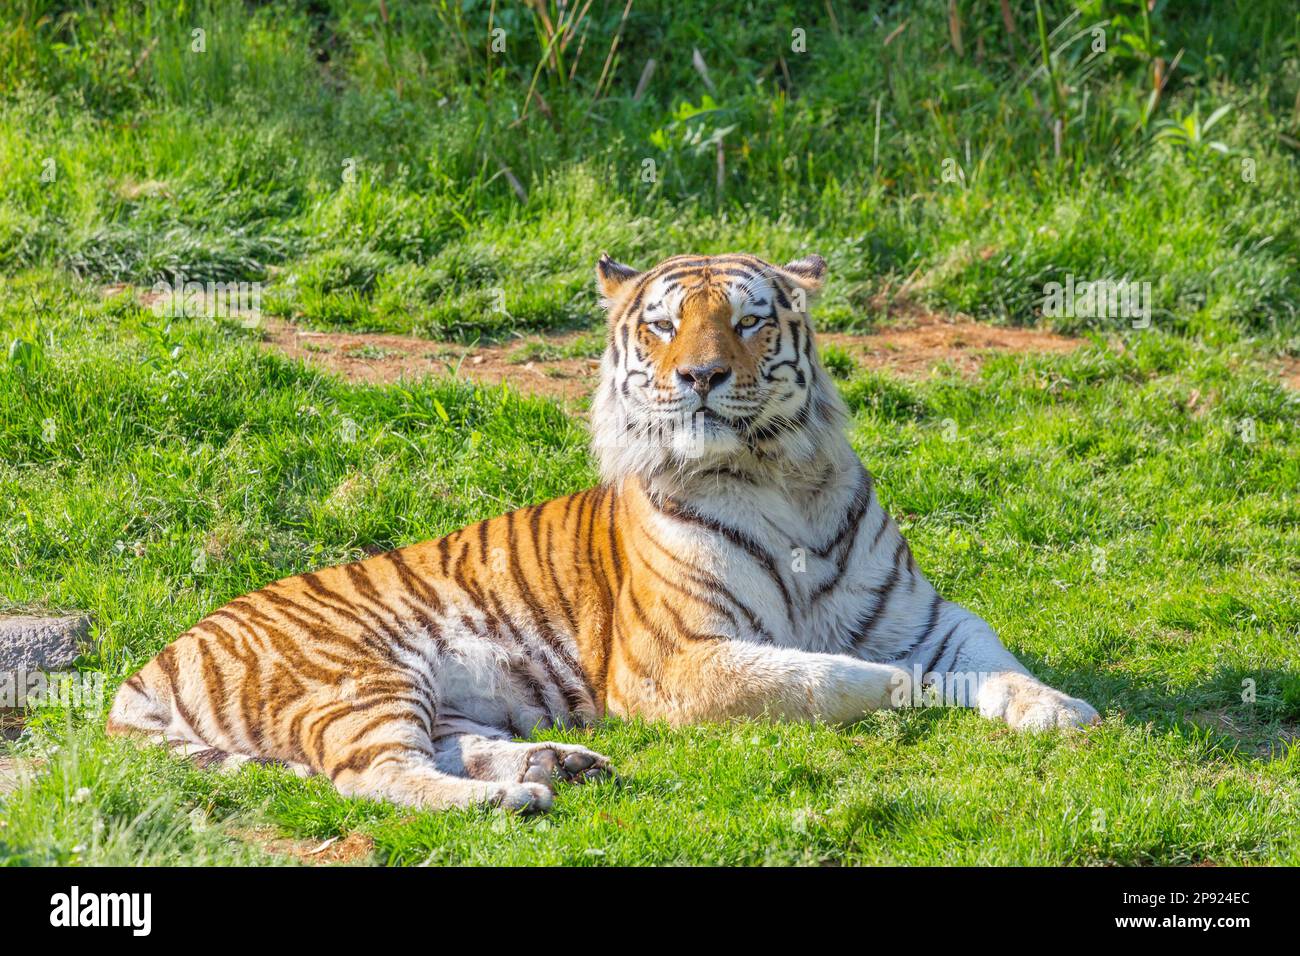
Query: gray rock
x=29, y=643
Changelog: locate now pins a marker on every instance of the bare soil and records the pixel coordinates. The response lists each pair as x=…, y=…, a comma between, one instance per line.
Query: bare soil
x=916, y=347
x=1289, y=369
x=913, y=347
x=353, y=848
x=375, y=357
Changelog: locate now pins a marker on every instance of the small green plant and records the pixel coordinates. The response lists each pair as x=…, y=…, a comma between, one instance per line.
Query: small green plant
x=1189, y=133
x=692, y=134
x=837, y=360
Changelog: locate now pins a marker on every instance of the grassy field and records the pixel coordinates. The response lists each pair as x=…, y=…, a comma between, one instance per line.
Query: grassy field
x=1124, y=515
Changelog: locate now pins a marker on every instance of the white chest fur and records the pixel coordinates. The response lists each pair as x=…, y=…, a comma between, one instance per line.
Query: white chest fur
x=816, y=564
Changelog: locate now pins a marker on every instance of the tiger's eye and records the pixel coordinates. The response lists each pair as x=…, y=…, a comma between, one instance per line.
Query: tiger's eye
x=663, y=325
x=748, y=321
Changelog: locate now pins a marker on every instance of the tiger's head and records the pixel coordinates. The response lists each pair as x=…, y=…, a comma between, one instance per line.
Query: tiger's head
x=710, y=368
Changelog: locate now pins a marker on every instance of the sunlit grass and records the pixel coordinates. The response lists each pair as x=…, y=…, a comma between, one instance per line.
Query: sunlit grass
x=1133, y=550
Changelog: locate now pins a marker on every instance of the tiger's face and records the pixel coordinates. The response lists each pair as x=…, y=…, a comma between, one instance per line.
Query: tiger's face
x=709, y=365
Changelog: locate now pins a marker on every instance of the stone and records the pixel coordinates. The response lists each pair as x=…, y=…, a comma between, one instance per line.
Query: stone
x=30, y=643
x=32, y=647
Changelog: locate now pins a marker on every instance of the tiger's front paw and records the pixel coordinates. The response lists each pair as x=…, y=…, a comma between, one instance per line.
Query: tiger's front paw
x=1027, y=704
x=568, y=762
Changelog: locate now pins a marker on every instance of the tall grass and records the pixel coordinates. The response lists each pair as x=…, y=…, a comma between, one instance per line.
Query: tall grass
x=352, y=129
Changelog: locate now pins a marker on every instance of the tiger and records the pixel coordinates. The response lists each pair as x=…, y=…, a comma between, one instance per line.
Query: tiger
x=734, y=561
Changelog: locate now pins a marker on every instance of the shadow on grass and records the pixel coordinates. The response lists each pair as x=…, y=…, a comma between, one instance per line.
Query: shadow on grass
x=1247, y=712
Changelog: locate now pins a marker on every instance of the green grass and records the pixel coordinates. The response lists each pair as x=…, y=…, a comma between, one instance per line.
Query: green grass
x=1124, y=515
x=158, y=456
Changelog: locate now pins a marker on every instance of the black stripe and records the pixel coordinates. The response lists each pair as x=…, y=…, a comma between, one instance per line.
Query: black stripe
x=707, y=599
x=412, y=581
x=846, y=536
x=566, y=605
x=710, y=584
x=674, y=509
x=931, y=622
x=853, y=516
x=868, y=623
x=937, y=656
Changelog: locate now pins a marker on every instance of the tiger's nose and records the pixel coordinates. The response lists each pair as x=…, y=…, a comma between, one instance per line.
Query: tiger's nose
x=704, y=378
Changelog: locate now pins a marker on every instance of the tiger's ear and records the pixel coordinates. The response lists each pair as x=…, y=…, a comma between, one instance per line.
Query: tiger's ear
x=612, y=277
x=807, y=272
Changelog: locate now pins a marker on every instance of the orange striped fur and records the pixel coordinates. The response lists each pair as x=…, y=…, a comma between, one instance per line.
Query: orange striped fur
x=734, y=562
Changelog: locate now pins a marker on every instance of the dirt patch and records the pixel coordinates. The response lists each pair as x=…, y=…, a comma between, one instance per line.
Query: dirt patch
x=1289, y=370
x=11, y=724
x=566, y=365
x=912, y=348
x=145, y=297
x=353, y=848
x=14, y=770
x=366, y=357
